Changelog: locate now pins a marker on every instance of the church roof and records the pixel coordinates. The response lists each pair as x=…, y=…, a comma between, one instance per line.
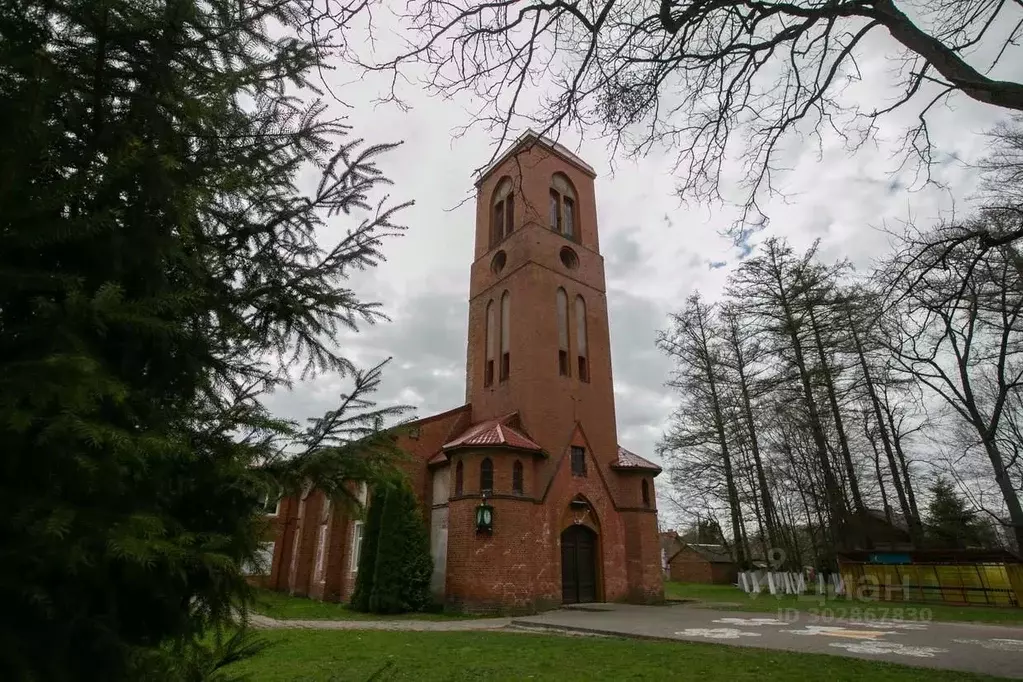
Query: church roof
x=493, y=433
x=630, y=460
x=533, y=137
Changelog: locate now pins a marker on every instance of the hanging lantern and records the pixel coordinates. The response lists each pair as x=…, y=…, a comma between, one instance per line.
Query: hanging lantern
x=484, y=517
x=580, y=510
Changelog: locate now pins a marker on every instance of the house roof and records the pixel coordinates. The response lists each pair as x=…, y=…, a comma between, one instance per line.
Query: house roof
x=670, y=542
x=533, y=137
x=494, y=433
x=897, y=520
x=631, y=461
x=715, y=554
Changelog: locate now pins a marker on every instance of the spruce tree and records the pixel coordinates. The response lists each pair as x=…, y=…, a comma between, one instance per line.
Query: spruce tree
x=367, y=557
x=396, y=566
x=161, y=269
x=950, y=522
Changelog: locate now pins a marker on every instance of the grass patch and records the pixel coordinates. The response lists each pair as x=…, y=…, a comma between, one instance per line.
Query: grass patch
x=286, y=607
x=427, y=656
x=732, y=598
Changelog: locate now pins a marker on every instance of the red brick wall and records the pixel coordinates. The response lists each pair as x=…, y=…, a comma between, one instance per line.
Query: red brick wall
x=550, y=405
x=690, y=567
x=517, y=568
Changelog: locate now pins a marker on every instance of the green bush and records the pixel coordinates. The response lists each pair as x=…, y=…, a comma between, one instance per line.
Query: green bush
x=395, y=566
x=367, y=560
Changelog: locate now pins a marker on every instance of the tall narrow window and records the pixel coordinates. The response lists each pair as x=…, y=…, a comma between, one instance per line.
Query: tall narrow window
x=356, y=551
x=563, y=213
x=459, y=478
x=580, y=339
x=321, y=544
x=568, y=221
x=503, y=217
x=505, y=335
x=491, y=321
x=270, y=504
x=562, y=302
x=509, y=214
x=555, y=210
x=578, y=461
x=321, y=553
x=497, y=223
x=486, y=475
x=646, y=493
x=517, y=477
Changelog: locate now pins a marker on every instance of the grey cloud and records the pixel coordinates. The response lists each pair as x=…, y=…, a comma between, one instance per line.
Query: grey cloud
x=639, y=368
x=622, y=253
x=426, y=340
x=427, y=337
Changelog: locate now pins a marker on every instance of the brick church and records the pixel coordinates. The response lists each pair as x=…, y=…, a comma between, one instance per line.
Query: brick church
x=572, y=514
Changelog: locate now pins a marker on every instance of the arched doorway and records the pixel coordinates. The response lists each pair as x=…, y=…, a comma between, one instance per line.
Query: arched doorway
x=578, y=565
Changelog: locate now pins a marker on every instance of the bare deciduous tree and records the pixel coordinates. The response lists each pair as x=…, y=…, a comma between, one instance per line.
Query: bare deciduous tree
x=960, y=335
x=709, y=76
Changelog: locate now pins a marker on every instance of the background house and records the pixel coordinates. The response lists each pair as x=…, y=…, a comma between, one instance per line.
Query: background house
x=671, y=543
x=702, y=563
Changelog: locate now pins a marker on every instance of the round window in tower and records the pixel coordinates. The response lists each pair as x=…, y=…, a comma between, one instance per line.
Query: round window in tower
x=568, y=258
x=497, y=264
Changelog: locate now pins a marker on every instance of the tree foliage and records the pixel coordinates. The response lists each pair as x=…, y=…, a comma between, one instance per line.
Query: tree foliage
x=163, y=265
x=368, y=553
x=814, y=436
x=950, y=522
x=396, y=566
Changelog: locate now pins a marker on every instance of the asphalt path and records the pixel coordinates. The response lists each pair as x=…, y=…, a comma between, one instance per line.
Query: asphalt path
x=970, y=647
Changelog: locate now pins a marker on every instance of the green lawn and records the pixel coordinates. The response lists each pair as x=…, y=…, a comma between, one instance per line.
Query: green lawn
x=425, y=656
x=285, y=607
x=733, y=599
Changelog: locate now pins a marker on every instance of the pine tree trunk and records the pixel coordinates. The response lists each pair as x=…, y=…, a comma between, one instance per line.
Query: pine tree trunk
x=903, y=467
x=751, y=428
x=843, y=441
x=877, y=471
x=726, y=462
x=1012, y=502
x=836, y=503
x=909, y=511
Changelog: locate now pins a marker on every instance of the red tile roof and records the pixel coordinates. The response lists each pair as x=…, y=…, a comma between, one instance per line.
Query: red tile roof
x=440, y=458
x=630, y=460
x=493, y=433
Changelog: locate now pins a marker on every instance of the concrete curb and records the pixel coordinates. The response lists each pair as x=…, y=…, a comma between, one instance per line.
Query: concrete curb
x=539, y=627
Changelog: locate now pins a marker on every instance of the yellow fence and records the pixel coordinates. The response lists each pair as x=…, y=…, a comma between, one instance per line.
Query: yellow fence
x=996, y=584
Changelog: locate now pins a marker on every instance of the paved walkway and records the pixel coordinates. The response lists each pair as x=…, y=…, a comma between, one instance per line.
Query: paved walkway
x=969, y=647
x=991, y=649
x=266, y=622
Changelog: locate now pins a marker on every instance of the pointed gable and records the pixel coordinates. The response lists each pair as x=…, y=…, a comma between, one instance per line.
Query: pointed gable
x=529, y=138
x=495, y=433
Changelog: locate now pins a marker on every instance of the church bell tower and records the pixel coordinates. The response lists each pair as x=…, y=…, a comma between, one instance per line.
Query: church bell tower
x=538, y=326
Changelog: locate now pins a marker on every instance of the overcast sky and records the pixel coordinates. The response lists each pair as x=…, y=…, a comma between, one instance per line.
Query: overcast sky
x=656, y=252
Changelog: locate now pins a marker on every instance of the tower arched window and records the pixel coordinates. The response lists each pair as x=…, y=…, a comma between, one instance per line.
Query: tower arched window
x=646, y=493
x=582, y=351
x=502, y=214
x=563, y=207
x=505, y=335
x=517, y=477
x=486, y=475
x=563, y=356
x=459, y=478
x=491, y=336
